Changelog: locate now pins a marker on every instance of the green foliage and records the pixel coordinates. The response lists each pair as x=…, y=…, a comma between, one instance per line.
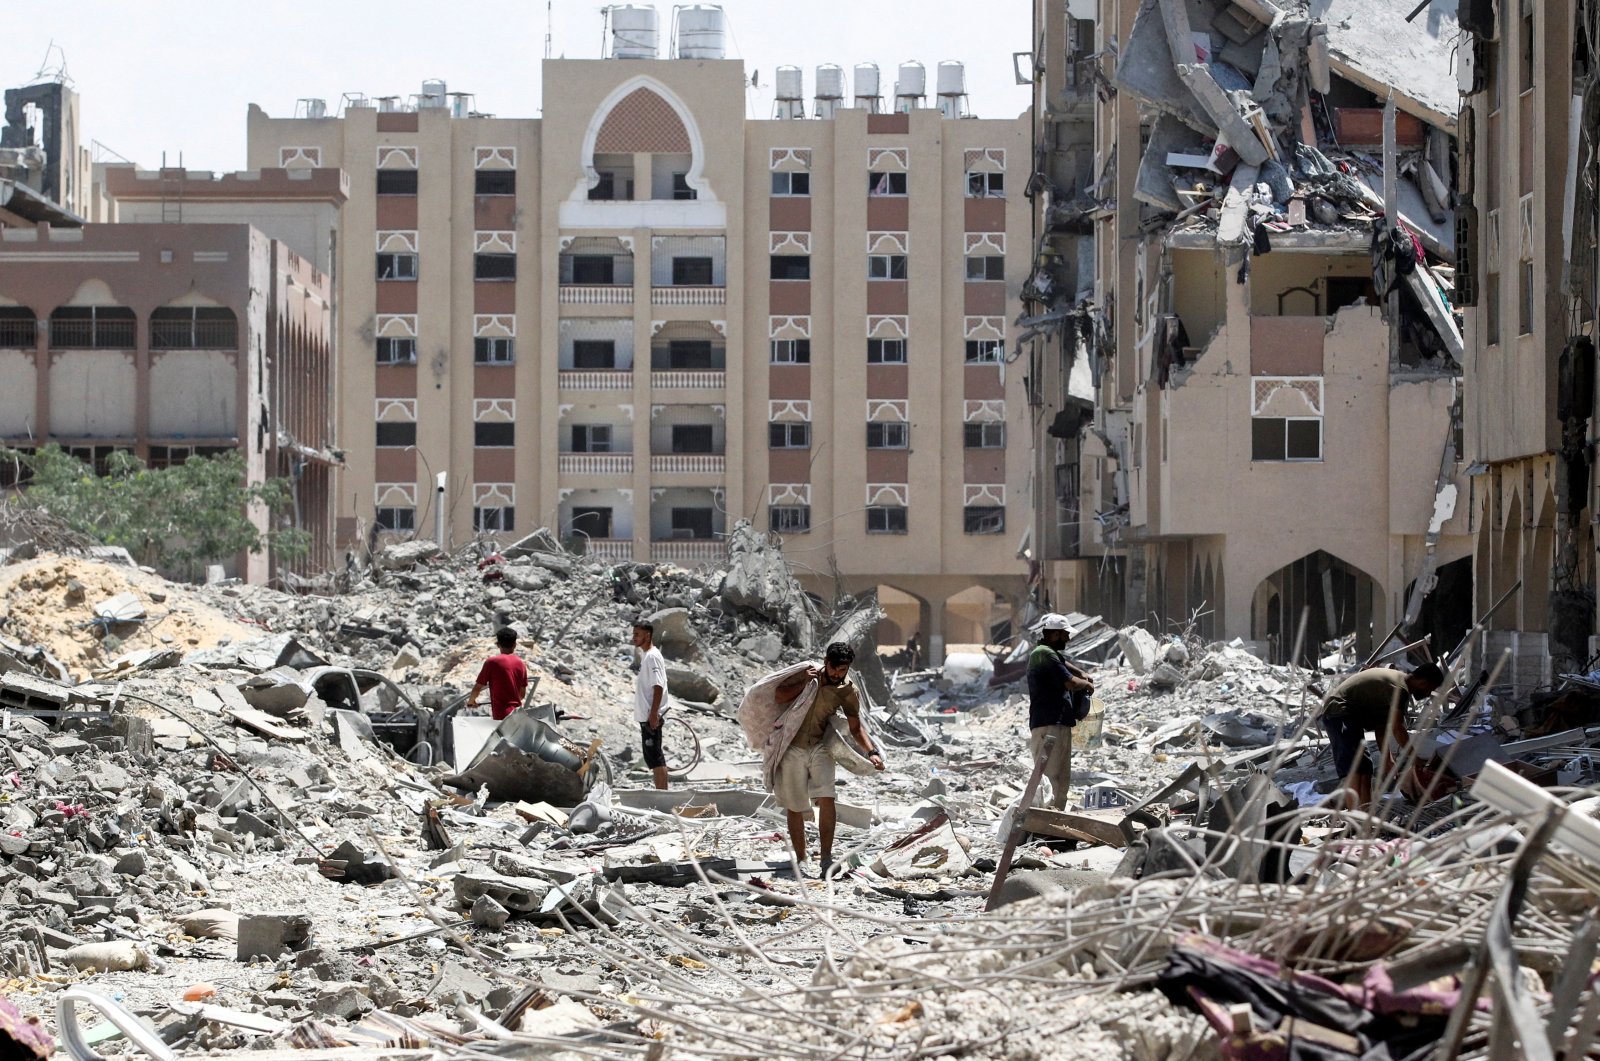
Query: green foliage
x=177, y=519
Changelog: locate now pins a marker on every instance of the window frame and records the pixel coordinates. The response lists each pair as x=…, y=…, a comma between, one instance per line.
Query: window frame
x=796, y=434
x=579, y=514
x=681, y=192
x=983, y=434
x=888, y=516
x=878, y=348
x=1286, y=421
x=895, y=179
x=683, y=262
x=483, y=347
x=798, y=515
x=582, y=346
x=972, y=515
x=990, y=351
x=408, y=341
x=478, y=181
x=710, y=438
x=788, y=178
x=673, y=525
x=610, y=270
x=392, y=425
x=891, y=264
x=993, y=184
x=991, y=267
x=790, y=261
x=393, y=173
x=886, y=428
x=796, y=347
x=482, y=429
x=399, y=257
x=591, y=438
x=505, y=515
x=508, y=262
x=410, y=521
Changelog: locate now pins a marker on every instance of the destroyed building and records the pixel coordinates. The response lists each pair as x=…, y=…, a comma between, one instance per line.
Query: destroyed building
x=44, y=164
x=1273, y=371
x=1529, y=217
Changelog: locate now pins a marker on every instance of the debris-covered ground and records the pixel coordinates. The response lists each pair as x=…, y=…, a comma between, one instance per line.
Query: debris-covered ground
x=241, y=815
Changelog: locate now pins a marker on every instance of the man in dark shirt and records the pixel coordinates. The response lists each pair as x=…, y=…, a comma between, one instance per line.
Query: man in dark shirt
x=1372, y=701
x=1058, y=697
x=504, y=675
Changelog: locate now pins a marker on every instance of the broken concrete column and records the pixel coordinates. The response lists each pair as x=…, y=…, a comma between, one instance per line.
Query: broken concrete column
x=402, y=555
x=1139, y=648
x=269, y=935
x=1224, y=113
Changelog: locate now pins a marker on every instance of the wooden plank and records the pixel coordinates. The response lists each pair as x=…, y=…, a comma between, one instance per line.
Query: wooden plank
x=263, y=723
x=1093, y=827
x=1015, y=835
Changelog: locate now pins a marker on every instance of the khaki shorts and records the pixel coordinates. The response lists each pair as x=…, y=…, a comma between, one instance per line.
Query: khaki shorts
x=804, y=774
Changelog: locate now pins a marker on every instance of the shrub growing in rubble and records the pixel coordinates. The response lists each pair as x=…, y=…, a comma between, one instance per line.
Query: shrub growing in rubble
x=177, y=519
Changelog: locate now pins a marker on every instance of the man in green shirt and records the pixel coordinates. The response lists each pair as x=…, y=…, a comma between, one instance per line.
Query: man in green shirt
x=1372, y=701
x=1058, y=698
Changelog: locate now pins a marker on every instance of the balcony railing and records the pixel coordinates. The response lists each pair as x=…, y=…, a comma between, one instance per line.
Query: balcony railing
x=682, y=379
x=688, y=296
x=690, y=551
x=609, y=548
x=92, y=335
x=596, y=379
x=194, y=335
x=596, y=464
x=18, y=334
x=688, y=463
x=596, y=294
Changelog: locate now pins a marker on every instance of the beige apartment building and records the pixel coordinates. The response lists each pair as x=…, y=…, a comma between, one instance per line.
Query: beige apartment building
x=1530, y=172
x=643, y=316
x=1260, y=451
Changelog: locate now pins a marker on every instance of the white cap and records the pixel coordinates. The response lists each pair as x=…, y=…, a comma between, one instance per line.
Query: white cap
x=1055, y=621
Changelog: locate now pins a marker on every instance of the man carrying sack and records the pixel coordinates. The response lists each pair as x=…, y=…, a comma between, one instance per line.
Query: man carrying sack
x=1059, y=697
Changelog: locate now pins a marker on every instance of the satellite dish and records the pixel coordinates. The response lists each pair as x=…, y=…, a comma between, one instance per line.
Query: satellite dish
x=755, y=79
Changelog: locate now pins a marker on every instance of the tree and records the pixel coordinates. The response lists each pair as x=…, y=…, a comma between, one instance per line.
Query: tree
x=177, y=519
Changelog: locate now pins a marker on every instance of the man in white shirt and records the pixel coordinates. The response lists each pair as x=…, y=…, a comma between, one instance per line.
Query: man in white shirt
x=650, y=699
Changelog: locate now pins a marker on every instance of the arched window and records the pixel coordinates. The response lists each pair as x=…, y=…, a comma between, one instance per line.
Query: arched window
x=92, y=328
x=193, y=328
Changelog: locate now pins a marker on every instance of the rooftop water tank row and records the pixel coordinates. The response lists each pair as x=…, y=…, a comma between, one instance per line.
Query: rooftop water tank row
x=635, y=32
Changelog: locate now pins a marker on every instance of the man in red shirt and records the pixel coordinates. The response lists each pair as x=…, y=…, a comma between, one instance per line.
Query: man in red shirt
x=505, y=676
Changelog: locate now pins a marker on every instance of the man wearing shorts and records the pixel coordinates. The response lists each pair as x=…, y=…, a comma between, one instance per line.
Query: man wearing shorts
x=1372, y=701
x=650, y=699
x=805, y=773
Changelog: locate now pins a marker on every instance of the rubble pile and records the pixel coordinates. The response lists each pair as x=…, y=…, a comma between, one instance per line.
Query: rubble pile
x=267, y=841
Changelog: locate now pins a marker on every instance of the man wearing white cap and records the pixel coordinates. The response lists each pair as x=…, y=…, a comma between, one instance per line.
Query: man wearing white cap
x=1058, y=698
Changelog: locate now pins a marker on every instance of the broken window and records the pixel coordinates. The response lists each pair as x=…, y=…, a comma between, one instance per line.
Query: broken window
x=495, y=182
x=789, y=519
x=1276, y=438
x=986, y=185
x=886, y=519
x=397, y=182
x=493, y=350
x=791, y=267
x=592, y=522
x=991, y=435
x=691, y=272
x=193, y=328
x=886, y=267
x=983, y=519
x=888, y=435
x=494, y=266
x=693, y=438
x=591, y=438
x=886, y=183
x=397, y=266
x=402, y=519
x=791, y=184
x=886, y=351
x=791, y=351
x=401, y=351
x=789, y=435
x=985, y=351
x=986, y=267
x=494, y=435
x=397, y=434
x=594, y=353
x=691, y=523
x=493, y=518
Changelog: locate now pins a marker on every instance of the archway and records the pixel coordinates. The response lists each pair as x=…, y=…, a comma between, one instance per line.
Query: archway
x=1335, y=600
x=974, y=618
x=905, y=615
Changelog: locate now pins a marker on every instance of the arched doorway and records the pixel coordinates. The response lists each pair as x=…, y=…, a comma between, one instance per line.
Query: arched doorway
x=1335, y=599
x=975, y=617
x=1446, y=613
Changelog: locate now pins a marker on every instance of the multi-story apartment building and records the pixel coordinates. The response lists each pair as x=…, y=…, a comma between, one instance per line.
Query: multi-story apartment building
x=1264, y=448
x=1529, y=174
x=642, y=316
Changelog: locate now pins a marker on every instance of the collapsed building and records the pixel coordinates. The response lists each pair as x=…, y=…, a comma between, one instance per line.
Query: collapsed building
x=1249, y=363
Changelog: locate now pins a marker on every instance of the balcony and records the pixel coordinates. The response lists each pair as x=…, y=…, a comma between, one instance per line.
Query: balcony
x=595, y=295
x=595, y=464
x=689, y=551
x=688, y=380
x=87, y=334
x=688, y=463
x=609, y=548
x=689, y=295
x=599, y=379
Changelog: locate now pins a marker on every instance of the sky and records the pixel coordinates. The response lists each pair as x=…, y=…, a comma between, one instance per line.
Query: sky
x=178, y=76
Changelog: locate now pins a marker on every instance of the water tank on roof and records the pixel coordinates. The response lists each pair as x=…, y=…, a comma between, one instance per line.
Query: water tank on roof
x=868, y=96
x=790, y=101
x=633, y=31
x=830, y=89
x=912, y=86
x=951, y=83
x=701, y=28
x=316, y=108
x=433, y=93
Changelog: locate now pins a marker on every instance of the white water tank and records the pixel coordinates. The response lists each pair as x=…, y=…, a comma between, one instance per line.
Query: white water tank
x=701, y=32
x=951, y=79
x=866, y=85
x=829, y=89
x=911, y=87
x=790, y=101
x=316, y=108
x=433, y=93
x=633, y=31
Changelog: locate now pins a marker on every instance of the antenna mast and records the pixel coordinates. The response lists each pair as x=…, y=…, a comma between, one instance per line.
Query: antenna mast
x=549, y=15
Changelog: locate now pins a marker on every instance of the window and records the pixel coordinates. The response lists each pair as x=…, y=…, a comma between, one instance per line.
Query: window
x=991, y=435
x=397, y=351
x=591, y=438
x=397, y=266
x=886, y=519
x=886, y=267
x=93, y=328
x=18, y=327
x=396, y=519
x=985, y=351
x=886, y=184
x=791, y=267
x=789, y=434
x=594, y=269
x=397, y=182
x=494, y=519
x=789, y=519
x=791, y=184
x=400, y=434
x=1528, y=66
x=594, y=353
x=692, y=272
x=691, y=522
x=1525, y=303
x=593, y=522
x=494, y=435
x=172, y=456
x=791, y=351
x=606, y=188
x=888, y=435
x=685, y=355
x=886, y=351
x=495, y=182
x=986, y=185
x=494, y=266
x=681, y=189
x=692, y=438
x=193, y=328
x=986, y=267
x=1285, y=439
x=1491, y=308
x=493, y=350
x=983, y=519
